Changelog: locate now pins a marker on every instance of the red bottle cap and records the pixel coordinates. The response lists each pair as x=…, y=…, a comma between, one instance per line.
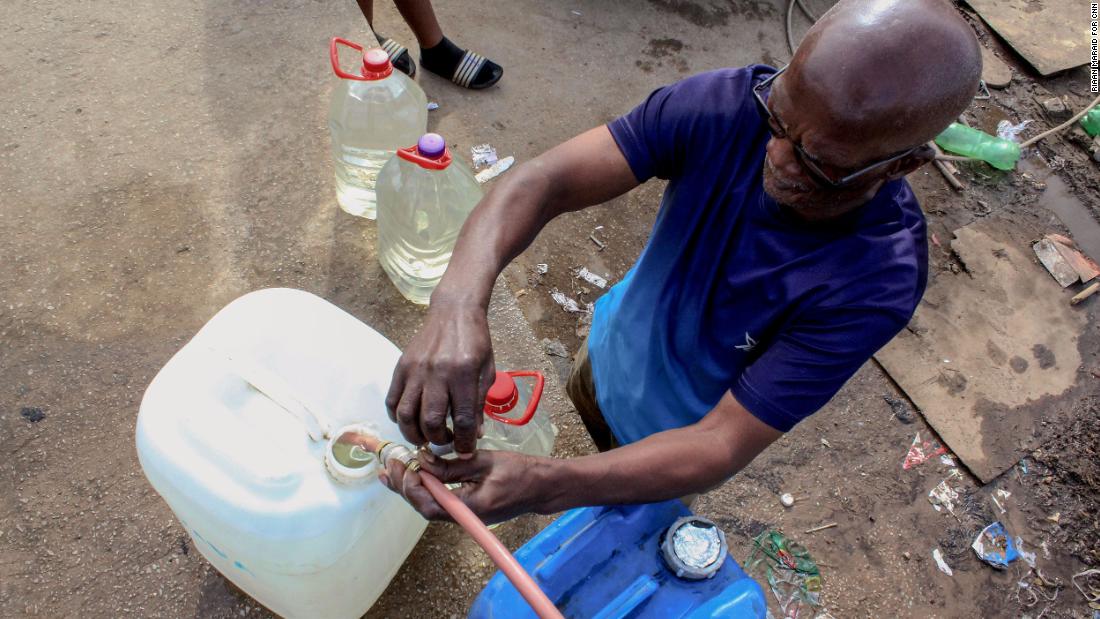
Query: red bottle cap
x=376, y=64
x=503, y=395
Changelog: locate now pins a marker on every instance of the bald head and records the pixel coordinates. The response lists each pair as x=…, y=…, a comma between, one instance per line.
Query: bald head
x=891, y=72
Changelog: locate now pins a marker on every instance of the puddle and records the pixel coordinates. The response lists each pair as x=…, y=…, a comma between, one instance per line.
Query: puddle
x=988, y=118
x=1058, y=199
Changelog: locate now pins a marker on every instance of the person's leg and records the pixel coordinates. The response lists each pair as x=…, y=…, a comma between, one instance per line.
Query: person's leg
x=582, y=391
x=441, y=56
x=420, y=17
x=367, y=7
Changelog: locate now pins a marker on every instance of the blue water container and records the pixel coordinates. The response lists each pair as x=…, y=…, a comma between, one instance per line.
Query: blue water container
x=606, y=563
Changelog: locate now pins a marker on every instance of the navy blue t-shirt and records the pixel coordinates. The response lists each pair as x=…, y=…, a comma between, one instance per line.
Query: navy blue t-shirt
x=732, y=292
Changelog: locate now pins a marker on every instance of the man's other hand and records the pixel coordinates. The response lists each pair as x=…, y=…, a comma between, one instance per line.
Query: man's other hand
x=446, y=370
x=496, y=485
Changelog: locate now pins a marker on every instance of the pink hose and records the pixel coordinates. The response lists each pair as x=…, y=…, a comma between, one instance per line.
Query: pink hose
x=500, y=555
x=519, y=577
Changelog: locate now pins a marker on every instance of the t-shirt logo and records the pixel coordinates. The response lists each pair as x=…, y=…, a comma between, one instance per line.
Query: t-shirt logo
x=748, y=345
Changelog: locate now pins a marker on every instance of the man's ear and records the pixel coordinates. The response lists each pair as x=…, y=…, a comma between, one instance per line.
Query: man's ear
x=910, y=162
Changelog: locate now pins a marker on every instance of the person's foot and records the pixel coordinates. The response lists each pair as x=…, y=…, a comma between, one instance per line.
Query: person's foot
x=465, y=68
x=399, y=55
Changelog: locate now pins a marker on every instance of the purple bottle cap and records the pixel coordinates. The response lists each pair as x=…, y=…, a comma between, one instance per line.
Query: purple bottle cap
x=431, y=145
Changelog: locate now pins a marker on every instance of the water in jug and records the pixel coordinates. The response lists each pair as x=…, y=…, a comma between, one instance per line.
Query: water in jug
x=424, y=197
x=238, y=434
x=372, y=114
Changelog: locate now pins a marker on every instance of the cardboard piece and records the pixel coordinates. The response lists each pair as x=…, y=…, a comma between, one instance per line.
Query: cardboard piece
x=991, y=357
x=1051, y=35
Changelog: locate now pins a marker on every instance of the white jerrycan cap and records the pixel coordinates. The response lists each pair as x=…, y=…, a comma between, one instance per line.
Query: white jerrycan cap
x=349, y=463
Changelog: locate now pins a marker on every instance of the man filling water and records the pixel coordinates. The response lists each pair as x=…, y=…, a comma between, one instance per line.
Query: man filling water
x=788, y=249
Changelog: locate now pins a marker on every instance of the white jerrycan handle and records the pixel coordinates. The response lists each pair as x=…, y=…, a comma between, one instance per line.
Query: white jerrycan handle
x=276, y=390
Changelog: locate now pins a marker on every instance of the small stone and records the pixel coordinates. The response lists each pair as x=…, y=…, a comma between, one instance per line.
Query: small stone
x=32, y=414
x=906, y=556
x=995, y=72
x=1056, y=108
x=787, y=499
x=900, y=410
x=554, y=348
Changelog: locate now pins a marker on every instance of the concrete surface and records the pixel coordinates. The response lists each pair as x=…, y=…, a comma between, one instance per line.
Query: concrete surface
x=158, y=160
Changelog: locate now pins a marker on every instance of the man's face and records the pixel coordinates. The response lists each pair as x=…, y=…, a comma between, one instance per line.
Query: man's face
x=788, y=179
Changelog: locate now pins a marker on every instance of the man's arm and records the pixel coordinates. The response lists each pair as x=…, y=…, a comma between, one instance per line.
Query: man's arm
x=449, y=363
x=498, y=485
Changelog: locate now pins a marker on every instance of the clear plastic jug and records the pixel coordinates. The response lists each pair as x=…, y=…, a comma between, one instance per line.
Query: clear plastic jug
x=238, y=434
x=371, y=115
x=511, y=422
x=424, y=197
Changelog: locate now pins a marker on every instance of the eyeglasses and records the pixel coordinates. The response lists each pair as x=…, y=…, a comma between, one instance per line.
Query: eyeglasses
x=776, y=128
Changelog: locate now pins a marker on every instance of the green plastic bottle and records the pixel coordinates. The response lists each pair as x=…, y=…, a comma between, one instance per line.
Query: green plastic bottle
x=1091, y=122
x=963, y=140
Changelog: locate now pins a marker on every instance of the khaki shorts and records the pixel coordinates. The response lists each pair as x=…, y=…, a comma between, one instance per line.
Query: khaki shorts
x=582, y=391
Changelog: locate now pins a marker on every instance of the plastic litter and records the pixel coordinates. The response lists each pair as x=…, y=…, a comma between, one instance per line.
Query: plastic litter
x=1028, y=557
x=592, y=278
x=483, y=155
x=1035, y=589
x=542, y=268
x=566, y=303
x=495, y=170
x=995, y=547
x=922, y=451
x=943, y=496
x=791, y=573
x=1091, y=580
x=947, y=461
x=1008, y=131
x=963, y=140
x=940, y=563
x=432, y=106
x=592, y=237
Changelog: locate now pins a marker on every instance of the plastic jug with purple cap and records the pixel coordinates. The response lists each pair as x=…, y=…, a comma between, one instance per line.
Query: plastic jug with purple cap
x=424, y=197
x=373, y=113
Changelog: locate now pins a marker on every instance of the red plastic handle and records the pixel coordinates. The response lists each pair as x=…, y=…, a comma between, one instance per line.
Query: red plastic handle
x=334, y=55
x=536, y=394
x=412, y=154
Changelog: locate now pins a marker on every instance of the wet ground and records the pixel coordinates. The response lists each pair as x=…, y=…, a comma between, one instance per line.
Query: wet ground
x=159, y=160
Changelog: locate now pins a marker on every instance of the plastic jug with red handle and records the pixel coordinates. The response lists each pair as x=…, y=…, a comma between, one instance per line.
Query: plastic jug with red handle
x=374, y=111
x=511, y=421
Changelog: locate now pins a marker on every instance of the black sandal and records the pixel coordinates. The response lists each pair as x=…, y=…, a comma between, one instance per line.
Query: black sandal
x=399, y=55
x=469, y=72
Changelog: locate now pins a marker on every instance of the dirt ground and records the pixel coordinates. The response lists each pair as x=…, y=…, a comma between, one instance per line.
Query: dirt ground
x=158, y=160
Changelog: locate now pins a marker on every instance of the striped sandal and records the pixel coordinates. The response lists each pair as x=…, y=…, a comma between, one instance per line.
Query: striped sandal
x=463, y=67
x=399, y=55
x=469, y=68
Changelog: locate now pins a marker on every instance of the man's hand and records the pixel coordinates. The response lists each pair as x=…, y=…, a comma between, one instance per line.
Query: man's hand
x=496, y=485
x=448, y=366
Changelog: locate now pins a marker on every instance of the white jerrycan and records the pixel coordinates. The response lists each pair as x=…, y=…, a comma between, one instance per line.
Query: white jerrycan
x=236, y=432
